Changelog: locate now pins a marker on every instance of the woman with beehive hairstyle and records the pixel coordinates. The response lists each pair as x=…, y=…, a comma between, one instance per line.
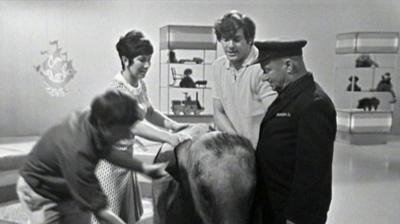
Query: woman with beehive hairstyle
x=121, y=185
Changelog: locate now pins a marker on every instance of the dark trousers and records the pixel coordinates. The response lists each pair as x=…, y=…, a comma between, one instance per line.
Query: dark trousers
x=262, y=213
x=276, y=217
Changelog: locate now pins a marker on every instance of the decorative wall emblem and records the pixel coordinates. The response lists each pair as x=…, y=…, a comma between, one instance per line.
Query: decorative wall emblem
x=56, y=70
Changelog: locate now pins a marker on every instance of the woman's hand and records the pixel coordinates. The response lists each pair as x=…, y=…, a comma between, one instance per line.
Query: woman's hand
x=155, y=171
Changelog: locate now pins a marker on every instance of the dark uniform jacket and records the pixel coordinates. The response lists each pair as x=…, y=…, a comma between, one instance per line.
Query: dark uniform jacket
x=294, y=153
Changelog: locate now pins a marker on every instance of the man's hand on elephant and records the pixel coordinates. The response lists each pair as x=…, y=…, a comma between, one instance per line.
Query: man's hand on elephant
x=178, y=138
x=183, y=137
x=175, y=127
x=155, y=171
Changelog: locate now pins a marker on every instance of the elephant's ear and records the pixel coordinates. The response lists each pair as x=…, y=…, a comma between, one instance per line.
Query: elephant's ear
x=173, y=156
x=179, y=154
x=167, y=156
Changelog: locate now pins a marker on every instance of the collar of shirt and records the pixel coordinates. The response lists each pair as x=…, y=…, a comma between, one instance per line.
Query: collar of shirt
x=127, y=85
x=251, y=58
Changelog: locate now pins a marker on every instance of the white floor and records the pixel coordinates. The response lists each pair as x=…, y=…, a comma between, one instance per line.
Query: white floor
x=366, y=184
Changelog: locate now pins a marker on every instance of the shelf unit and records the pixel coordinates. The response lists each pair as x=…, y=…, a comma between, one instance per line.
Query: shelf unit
x=194, y=48
x=356, y=123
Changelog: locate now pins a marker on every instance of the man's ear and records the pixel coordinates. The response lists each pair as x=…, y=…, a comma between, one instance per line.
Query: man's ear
x=289, y=65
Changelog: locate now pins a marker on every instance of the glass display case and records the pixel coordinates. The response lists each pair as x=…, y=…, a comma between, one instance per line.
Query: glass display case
x=186, y=56
x=365, y=65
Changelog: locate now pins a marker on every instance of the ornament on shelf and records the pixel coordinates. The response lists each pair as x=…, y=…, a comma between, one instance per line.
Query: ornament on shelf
x=187, y=106
x=353, y=86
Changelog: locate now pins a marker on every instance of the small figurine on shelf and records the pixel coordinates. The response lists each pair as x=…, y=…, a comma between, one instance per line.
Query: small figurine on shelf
x=197, y=60
x=172, y=57
x=353, y=86
x=187, y=81
x=385, y=85
x=368, y=103
x=365, y=61
x=175, y=77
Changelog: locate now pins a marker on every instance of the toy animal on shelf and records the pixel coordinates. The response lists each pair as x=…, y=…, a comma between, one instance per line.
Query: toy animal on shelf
x=368, y=103
x=385, y=85
x=187, y=106
x=201, y=83
x=172, y=59
x=365, y=61
x=195, y=60
x=353, y=86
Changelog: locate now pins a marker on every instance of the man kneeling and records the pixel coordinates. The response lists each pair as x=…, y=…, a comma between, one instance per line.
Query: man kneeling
x=58, y=182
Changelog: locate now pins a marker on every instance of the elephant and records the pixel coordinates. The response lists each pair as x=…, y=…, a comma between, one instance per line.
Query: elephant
x=212, y=179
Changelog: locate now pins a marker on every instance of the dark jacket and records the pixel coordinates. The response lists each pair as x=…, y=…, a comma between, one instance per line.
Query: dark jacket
x=294, y=153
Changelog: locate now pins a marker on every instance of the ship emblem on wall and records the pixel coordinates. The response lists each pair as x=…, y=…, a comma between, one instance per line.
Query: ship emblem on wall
x=56, y=70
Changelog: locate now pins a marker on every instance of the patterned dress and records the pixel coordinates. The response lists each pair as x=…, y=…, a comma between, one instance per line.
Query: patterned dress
x=121, y=185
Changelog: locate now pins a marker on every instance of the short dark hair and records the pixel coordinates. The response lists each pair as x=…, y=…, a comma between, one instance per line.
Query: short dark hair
x=230, y=23
x=115, y=108
x=132, y=45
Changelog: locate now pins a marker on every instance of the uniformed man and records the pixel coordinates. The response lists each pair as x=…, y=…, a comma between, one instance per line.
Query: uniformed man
x=295, y=148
